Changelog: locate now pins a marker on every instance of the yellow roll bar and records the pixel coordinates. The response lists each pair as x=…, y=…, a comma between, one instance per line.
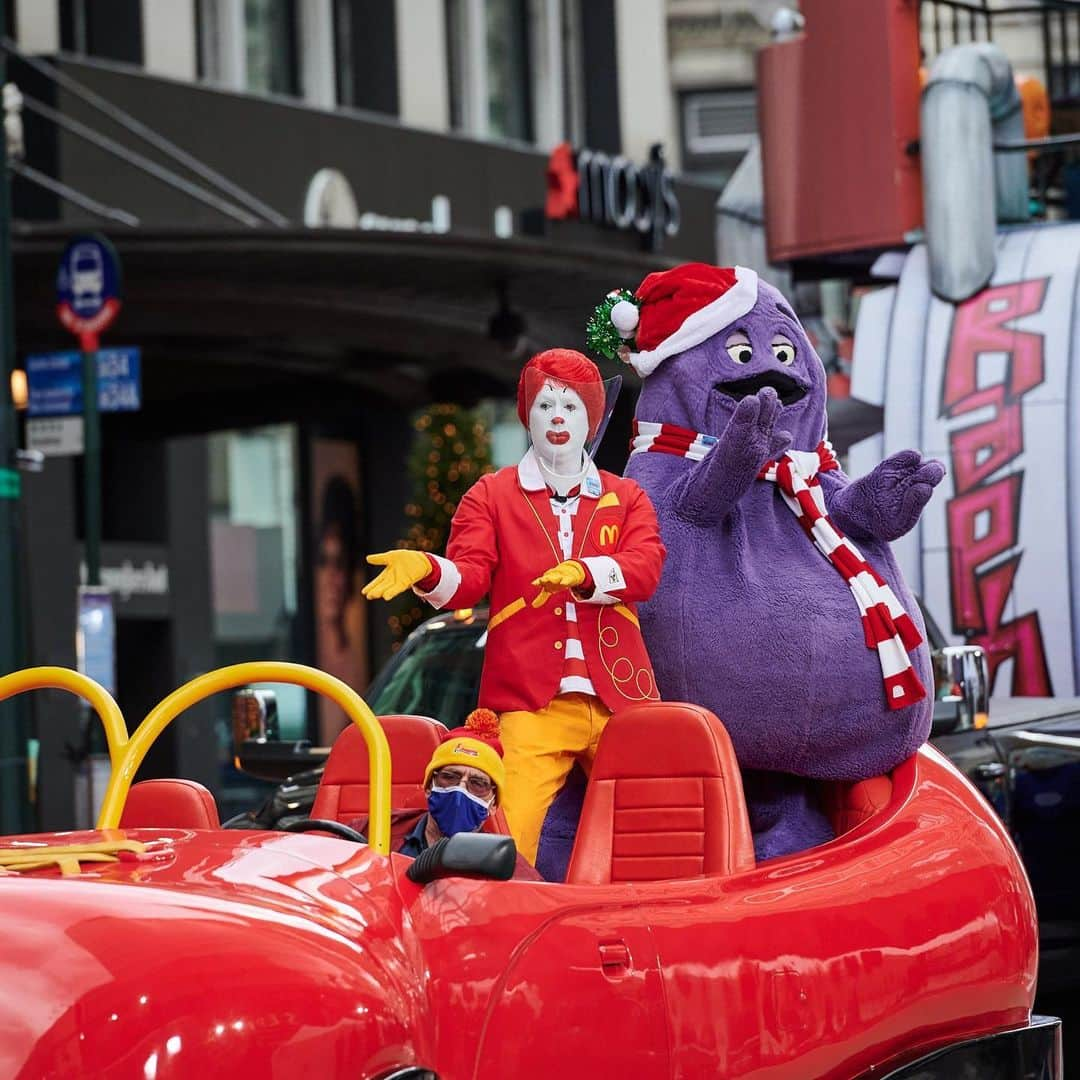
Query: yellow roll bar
x=126, y=754
x=59, y=678
x=228, y=678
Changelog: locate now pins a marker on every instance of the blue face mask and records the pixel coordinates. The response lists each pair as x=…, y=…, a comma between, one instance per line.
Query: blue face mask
x=455, y=810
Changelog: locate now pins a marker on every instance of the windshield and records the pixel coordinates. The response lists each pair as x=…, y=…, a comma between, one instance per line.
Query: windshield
x=435, y=673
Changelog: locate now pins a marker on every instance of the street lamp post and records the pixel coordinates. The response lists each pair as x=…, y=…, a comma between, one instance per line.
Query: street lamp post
x=12, y=736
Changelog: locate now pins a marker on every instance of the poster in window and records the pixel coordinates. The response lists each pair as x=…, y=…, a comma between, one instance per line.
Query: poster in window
x=339, y=609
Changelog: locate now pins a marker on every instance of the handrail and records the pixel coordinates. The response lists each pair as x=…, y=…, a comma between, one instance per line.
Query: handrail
x=148, y=134
x=236, y=675
x=59, y=678
x=138, y=161
x=69, y=194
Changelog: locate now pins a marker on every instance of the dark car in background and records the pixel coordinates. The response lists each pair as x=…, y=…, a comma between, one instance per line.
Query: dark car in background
x=1023, y=754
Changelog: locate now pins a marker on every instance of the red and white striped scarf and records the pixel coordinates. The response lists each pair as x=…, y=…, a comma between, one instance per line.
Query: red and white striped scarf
x=670, y=439
x=887, y=627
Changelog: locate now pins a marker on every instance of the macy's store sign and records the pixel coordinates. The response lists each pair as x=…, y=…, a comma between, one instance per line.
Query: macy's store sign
x=612, y=191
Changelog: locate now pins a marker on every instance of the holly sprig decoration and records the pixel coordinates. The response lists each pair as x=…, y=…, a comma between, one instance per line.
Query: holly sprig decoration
x=601, y=334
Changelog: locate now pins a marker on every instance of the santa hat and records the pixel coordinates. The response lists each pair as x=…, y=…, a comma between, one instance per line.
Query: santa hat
x=674, y=310
x=566, y=366
x=476, y=745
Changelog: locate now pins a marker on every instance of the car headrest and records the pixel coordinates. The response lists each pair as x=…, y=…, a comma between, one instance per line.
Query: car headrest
x=343, y=790
x=664, y=800
x=664, y=739
x=170, y=804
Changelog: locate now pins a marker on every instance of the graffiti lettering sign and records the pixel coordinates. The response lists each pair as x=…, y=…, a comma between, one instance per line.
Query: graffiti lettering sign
x=992, y=387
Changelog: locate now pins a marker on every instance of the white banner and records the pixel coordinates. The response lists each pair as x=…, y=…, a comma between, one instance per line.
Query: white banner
x=992, y=387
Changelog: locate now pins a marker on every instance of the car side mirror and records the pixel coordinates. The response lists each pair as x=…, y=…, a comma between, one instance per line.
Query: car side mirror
x=470, y=854
x=254, y=717
x=962, y=679
x=257, y=746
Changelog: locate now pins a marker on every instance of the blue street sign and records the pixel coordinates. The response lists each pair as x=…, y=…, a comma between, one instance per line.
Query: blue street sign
x=88, y=285
x=54, y=381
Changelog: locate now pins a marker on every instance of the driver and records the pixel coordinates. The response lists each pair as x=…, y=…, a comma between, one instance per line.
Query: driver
x=463, y=781
x=565, y=552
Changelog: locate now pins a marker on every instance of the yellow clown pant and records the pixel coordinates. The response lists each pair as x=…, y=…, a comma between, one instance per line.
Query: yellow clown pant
x=540, y=749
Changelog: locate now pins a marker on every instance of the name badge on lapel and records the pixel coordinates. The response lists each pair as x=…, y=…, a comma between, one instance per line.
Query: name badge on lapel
x=592, y=486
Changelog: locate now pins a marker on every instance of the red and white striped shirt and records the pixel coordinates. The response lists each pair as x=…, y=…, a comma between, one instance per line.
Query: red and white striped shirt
x=575, y=674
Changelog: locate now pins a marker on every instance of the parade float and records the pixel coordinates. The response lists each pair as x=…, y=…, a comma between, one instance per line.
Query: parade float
x=160, y=945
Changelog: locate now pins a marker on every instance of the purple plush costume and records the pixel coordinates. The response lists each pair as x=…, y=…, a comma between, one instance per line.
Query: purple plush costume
x=750, y=619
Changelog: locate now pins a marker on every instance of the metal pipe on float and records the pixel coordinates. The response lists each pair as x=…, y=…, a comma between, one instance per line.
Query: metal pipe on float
x=970, y=102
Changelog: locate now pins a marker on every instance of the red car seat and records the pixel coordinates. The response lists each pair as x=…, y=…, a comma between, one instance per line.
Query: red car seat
x=495, y=823
x=170, y=804
x=664, y=800
x=343, y=790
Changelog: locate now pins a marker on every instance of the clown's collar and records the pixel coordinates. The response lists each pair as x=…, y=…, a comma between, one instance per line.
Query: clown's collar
x=531, y=479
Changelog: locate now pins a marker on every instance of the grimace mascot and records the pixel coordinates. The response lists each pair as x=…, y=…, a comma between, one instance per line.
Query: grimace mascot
x=781, y=607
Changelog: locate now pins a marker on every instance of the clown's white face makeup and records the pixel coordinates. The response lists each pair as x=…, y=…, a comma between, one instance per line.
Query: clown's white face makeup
x=559, y=427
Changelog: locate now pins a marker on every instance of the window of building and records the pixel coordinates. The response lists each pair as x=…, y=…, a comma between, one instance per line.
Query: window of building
x=344, y=54
x=718, y=127
x=365, y=54
x=250, y=44
x=515, y=69
x=110, y=31
x=573, y=73
x=509, y=86
x=720, y=122
x=270, y=46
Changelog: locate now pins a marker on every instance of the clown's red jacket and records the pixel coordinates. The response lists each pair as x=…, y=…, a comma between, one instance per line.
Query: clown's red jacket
x=504, y=536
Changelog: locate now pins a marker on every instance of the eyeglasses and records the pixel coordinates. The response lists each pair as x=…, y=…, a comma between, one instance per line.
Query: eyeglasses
x=480, y=786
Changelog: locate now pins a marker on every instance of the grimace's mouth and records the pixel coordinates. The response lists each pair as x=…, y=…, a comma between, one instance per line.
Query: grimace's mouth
x=787, y=389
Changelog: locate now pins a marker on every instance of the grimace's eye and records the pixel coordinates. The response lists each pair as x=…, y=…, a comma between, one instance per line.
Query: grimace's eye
x=741, y=353
x=784, y=351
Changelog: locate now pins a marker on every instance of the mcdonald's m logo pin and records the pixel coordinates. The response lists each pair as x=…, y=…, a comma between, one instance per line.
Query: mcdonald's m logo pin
x=609, y=535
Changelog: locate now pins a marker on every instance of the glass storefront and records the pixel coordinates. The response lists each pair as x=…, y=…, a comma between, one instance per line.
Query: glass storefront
x=254, y=547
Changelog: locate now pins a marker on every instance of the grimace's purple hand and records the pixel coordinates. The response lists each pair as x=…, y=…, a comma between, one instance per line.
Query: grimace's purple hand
x=751, y=434
x=707, y=492
x=887, y=502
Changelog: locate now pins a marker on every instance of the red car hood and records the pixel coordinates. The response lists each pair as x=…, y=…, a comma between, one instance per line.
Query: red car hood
x=261, y=949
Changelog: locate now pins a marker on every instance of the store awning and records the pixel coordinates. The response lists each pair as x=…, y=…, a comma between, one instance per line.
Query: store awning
x=261, y=316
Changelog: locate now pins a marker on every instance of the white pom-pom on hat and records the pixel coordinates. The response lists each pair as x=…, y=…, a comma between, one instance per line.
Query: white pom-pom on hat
x=624, y=317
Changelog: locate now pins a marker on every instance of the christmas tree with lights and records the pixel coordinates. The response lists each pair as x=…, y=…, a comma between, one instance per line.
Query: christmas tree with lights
x=451, y=451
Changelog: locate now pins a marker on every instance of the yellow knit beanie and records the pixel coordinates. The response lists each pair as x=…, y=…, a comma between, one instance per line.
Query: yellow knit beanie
x=476, y=745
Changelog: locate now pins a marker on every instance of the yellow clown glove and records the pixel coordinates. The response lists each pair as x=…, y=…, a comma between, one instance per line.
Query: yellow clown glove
x=403, y=570
x=567, y=575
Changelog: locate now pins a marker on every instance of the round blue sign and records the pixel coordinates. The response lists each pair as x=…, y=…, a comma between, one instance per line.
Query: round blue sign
x=88, y=285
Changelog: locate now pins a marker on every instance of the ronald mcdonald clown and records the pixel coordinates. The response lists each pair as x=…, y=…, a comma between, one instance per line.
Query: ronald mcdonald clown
x=565, y=551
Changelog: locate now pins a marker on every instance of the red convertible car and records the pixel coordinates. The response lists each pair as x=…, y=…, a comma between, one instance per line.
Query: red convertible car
x=161, y=946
